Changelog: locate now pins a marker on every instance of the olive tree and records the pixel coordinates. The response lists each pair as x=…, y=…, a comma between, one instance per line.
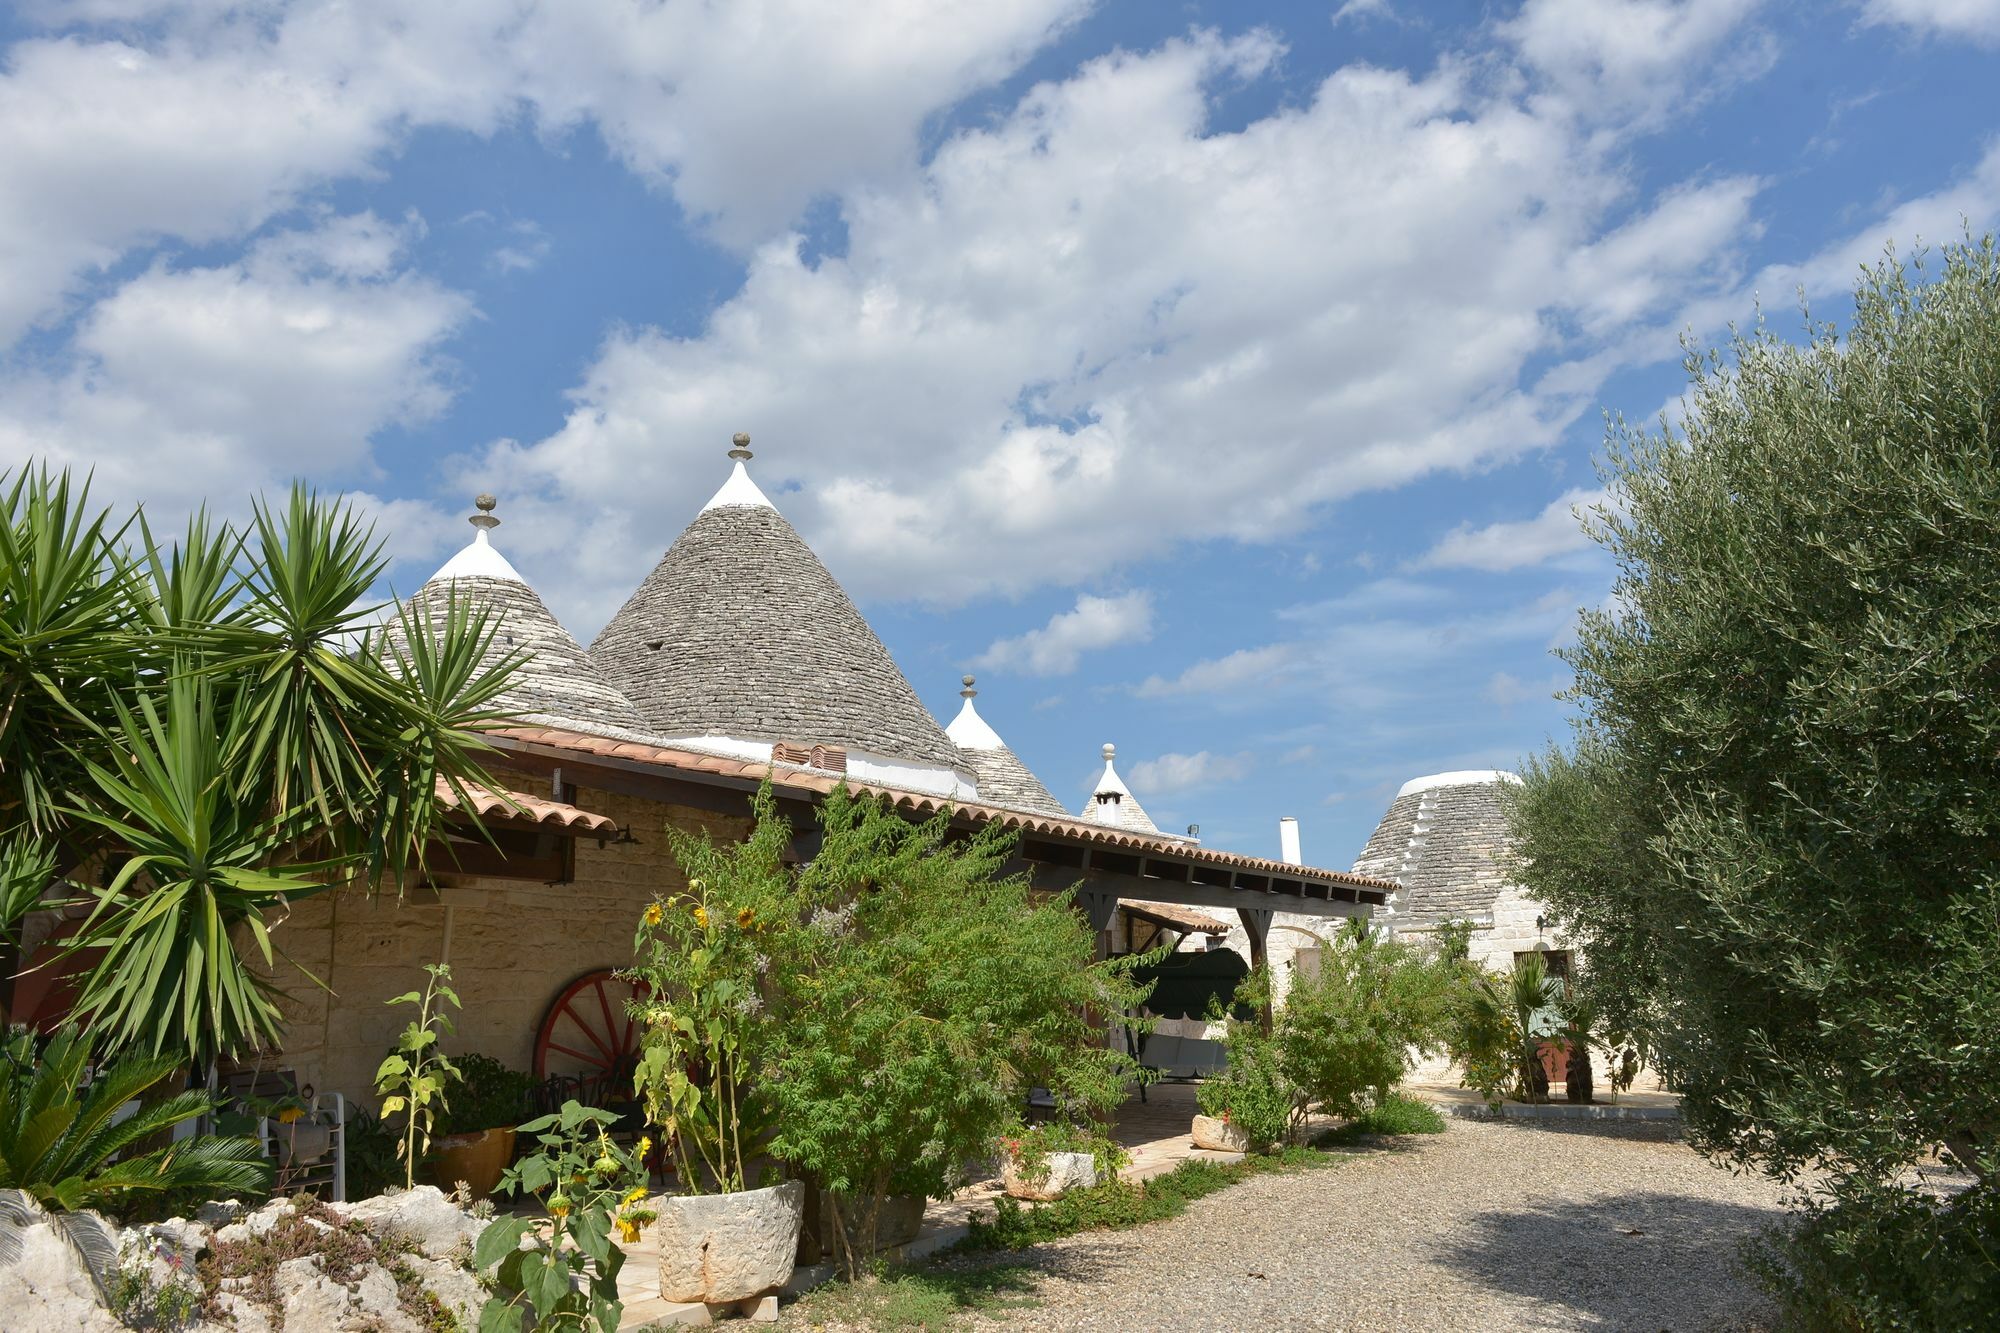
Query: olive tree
x=1777, y=834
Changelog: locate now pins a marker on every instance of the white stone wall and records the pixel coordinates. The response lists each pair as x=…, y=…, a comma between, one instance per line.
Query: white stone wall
x=1508, y=930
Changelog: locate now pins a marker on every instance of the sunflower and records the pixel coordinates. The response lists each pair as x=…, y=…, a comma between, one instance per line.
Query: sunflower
x=745, y=918
x=701, y=917
x=655, y=914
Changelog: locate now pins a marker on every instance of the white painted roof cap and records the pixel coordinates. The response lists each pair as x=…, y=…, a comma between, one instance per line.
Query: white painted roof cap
x=968, y=731
x=480, y=560
x=1111, y=782
x=739, y=490
x=1467, y=777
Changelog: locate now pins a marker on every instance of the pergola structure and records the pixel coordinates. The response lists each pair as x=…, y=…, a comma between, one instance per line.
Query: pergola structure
x=1105, y=863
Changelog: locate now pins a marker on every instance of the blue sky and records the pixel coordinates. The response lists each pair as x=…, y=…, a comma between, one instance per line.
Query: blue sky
x=1217, y=380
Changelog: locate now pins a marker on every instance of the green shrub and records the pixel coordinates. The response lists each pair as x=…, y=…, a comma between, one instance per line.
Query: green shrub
x=1887, y=1259
x=1117, y=1204
x=1397, y=1114
x=485, y=1094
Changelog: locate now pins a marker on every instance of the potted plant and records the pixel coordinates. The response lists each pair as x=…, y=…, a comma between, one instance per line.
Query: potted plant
x=1047, y=1161
x=476, y=1127
x=721, y=1242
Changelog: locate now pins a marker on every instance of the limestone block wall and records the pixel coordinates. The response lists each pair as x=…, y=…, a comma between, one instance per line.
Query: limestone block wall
x=512, y=946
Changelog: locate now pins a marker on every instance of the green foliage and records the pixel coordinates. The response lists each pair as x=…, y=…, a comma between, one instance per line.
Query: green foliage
x=1348, y=1035
x=1778, y=832
x=706, y=1023
x=1253, y=1093
x=897, y=997
x=60, y=1146
x=1887, y=1259
x=1396, y=1114
x=1029, y=1148
x=196, y=731
x=1343, y=1039
x=1116, y=1203
x=484, y=1094
x=413, y=1078
x=568, y=1276
x=1484, y=1039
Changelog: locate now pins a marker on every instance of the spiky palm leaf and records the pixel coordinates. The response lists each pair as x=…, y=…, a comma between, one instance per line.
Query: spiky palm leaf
x=71, y=1150
x=198, y=868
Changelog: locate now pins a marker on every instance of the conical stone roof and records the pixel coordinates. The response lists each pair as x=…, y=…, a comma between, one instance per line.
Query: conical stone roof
x=1113, y=802
x=556, y=683
x=1003, y=779
x=740, y=632
x=1445, y=840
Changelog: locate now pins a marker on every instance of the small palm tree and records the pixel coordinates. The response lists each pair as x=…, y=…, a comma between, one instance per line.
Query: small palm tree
x=64, y=1145
x=1531, y=989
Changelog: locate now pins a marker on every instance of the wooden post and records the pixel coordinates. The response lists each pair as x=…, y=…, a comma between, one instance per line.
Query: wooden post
x=1257, y=925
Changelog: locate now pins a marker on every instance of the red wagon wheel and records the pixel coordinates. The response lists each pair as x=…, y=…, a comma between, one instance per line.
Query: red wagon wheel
x=587, y=1033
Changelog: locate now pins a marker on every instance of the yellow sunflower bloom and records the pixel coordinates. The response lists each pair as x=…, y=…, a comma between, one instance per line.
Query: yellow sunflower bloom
x=701, y=917
x=655, y=914
x=745, y=918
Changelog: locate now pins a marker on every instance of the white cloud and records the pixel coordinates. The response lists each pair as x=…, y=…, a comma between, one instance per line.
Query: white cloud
x=1505, y=690
x=1024, y=354
x=1222, y=675
x=187, y=383
x=1056, y=648
x=199, y=122
x=1978, y=20
x=1184, y=772
x=1557, y=530
x=1633, y=55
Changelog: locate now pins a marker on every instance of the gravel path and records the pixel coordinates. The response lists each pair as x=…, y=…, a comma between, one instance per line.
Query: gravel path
x=1487, y=1226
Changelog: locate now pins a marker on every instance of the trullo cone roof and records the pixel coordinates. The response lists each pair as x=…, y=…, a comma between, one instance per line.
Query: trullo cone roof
x=1003, y=779
x=741, y=632
x=557, y=683
x=1113, y=803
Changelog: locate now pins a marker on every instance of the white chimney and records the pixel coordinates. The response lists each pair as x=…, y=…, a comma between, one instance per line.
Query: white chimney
x=1288, y=841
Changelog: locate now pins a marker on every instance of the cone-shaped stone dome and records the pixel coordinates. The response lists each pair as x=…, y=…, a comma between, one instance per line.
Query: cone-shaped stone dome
x=741, y=635
x=556, y=683
x=1113, y=802
x=1444, y=839
x=1003, y=779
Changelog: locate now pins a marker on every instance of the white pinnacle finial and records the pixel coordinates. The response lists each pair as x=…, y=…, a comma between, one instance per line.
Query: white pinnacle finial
x=1110, y=752
x=480, y=560
x=968, y=731
x=739, y=490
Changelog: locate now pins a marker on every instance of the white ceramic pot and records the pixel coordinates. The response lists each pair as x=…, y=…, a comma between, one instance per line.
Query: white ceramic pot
x=1218, y=1135
x=1066, y=1171
x=719, y=1248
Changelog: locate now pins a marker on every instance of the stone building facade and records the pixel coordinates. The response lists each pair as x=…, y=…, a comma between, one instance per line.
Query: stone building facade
x=1444, y=842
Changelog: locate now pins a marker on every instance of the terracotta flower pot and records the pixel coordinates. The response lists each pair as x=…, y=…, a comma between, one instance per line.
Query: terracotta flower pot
x=1218, y=1135
x=719, y=1248
x=477, y=1159
x=1066, y=1171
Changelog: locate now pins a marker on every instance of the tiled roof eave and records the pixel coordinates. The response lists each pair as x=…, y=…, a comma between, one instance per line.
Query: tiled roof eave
x=1069, y=829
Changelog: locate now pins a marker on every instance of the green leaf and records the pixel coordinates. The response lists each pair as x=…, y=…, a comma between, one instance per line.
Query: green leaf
x=500, y=1238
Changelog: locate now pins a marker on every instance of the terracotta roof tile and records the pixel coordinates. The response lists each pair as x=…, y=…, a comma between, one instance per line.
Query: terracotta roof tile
x=497, y=805
x=1069, y=827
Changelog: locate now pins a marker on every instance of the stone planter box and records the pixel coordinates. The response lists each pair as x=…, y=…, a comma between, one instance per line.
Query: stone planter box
x=1066, y=1171
x=1218, y=1135
x=722, y=1248
x=477, y=1159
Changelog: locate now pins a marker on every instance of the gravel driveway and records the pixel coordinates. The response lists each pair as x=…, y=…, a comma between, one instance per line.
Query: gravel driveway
x=1487, y=1226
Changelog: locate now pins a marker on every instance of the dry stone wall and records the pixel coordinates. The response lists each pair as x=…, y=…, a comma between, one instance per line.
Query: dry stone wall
x=511, y=945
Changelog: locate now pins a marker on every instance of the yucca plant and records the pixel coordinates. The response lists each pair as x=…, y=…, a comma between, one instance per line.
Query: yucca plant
x=64, y=1144
x=195, y=732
